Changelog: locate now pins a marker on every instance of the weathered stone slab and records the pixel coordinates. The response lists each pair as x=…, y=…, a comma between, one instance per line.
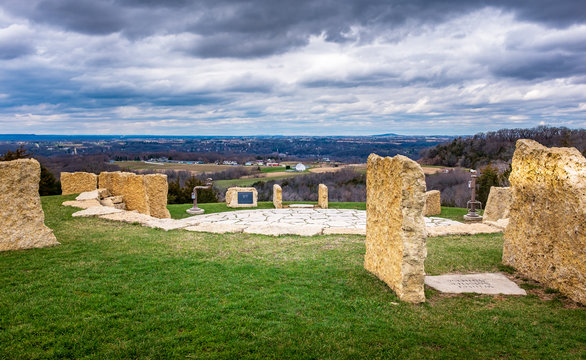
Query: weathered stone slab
x=395, y=228
x=88, y=195
x=498, y=204
x=217, y=228
x=462, y=229
x=336, y=231
x=277, y=196
x=546, y=235
x=281, y=229
x=22, y=221
x=322, y=198
x=84, y=204
x=301, y=206
x=433, y=204
x=157, y=188
x=487, y=283
x=237, y=197
x=96, y=211
x=78, y=182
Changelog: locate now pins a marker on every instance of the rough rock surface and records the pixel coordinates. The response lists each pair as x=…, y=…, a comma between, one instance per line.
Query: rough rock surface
x=88, y=195
x=322, y=199
x=83, y=204
x=130, y=186
x=78, y=182
x=157, y=188
x=395, y=227
x=546, y=235
x=463, y=229
x=498, y=204
x=433, y=204
x=22, y=221
x=277, y=196
x=232, y=197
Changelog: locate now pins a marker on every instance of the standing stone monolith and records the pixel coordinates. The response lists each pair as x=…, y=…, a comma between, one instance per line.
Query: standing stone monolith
x=546, y=235
x=157, y=188
x=395, y=227
x=277, y=196
x=322, y=196
x=22, y=221
x=498, y=204
x=78, y=182
x=433, y=205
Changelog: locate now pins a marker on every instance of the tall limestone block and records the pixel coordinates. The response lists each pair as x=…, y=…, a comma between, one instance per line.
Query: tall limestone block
x=22, y=221
x=277, y=196
x=433, y=204
x=498, y=204
x=546, y=235
x=78, y=182
x=322, y=199
x=157, y=188
x=113, y=181
x=395, y=228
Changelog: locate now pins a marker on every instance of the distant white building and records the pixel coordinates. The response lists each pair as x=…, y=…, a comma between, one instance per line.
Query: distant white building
x=300, y=167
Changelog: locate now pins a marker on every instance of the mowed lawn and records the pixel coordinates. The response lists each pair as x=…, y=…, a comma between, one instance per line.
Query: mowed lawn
x=119, y=291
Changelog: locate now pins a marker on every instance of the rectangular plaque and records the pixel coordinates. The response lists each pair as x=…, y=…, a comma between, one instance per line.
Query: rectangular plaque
x=245, y=197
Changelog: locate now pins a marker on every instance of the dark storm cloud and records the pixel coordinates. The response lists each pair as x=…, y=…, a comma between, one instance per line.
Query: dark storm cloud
x=12, y=49
x=232, y=28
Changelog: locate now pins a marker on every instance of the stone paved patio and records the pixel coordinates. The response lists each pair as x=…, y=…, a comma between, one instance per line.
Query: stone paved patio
x=305, y=222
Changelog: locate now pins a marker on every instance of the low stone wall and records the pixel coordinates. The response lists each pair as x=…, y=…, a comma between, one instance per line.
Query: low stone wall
x=395, y=228
x=146, y=194
x=277, y=196
x=232, y=197
x=433, y=204
x=546, y=235
x=22, y=221
x=498, y=204
x=322, y=196
x=78, y=182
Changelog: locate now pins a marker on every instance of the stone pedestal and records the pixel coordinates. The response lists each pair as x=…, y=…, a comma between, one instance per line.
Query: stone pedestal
x=433, y=204
x=237, y=197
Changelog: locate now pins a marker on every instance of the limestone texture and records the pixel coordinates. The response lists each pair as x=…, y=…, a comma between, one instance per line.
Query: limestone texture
x=232, y=197
x=433, y=204
x=130, y=186
x=463, y=229
x=395, y=226
x=322, y=197
x=545, y=239
x=277, y=196
x=78, y=182
x=88, y=195
x=22, y=221
x=83, y=204
x=157, y=188
x=498, y=204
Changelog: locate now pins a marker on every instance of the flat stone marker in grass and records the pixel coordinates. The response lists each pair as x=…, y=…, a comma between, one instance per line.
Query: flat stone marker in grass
x=487, y=283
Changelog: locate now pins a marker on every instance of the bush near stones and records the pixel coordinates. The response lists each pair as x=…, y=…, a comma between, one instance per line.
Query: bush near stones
x=546, y=235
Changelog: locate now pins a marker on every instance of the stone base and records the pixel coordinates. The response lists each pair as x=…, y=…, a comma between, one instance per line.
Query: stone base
x=301, y=206
x=472, y=218
x=195, y=211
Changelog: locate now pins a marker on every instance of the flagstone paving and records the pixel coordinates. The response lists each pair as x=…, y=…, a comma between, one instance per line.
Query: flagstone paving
x=305, y=222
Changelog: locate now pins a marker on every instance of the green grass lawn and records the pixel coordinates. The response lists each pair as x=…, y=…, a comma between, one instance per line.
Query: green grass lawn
x=113, y=290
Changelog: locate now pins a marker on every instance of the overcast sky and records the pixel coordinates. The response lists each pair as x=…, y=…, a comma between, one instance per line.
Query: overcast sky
x=305, y=67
